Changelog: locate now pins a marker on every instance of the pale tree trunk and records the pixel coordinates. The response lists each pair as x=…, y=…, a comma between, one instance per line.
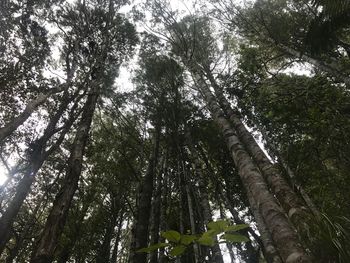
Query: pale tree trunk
x=142, y=218
x=11, y=126
x=37, y=157
x=269, y=250
x=318, y=63
x=283, y=234
x=289, y=200
x=57, y=217
x=291, y=176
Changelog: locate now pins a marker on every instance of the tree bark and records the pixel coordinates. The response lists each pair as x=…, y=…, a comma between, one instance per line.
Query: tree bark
x=141, y=222
x=155, y=222
x=204, y=198
x=282, y=232
x=10, y=127
x=37, y=157
x=290, y=201
x=59, y=211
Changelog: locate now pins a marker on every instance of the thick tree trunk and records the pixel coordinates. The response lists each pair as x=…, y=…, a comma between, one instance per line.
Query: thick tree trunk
x=282, y=232
x=36, y=158
x=141, y=222
x=10, y=127
x=290, y=201
x=269, y=250
x=59, y=211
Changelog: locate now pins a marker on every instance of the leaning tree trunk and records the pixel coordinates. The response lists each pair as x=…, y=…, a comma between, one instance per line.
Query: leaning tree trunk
x=289, y=200
x=57, y=217
x=37, y=157
x=10, y=127
x=142, y=218
x=283, y=234
x=269, y=249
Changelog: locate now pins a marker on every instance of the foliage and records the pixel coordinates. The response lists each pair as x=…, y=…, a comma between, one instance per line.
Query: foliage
x=178, y=243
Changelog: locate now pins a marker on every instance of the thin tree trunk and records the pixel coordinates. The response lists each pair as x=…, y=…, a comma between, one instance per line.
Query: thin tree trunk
x=59, y=211
x=204, y=198
x=117, y=237
x=190, y=212
x=156, y=213
x=163, y=209
x=290, y=201
x=283, y=233
x=104, y=252
x=141, y=222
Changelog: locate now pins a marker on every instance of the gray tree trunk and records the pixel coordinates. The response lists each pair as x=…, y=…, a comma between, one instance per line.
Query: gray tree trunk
x=283, y=234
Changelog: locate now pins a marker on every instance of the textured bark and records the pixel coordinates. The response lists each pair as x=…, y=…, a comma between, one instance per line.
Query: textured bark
x=36, y=158
x=269, y=250
x=57, y=217
x=282, y=232
x=142, y=218
x=288, y=198
x=10, y=127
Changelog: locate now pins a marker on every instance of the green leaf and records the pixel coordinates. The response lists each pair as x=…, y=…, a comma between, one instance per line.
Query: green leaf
x=218, y=226
x=172, y=236
x=206, y=239
x=236, y=227
x=152, y=248
x=235, y=238
x=187, y=239
x=178, y=250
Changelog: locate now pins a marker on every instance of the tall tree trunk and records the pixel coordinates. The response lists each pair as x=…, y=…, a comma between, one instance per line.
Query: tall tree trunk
x=117, y=237
x=204, y=198
x=290, y=201
x=190, y=211
x=283, y=234
x=59, y=211
x=141, y=222
x=37, y=156
x=269, y=250
x=154, y=237
x=104, y=252
x=163, y=209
